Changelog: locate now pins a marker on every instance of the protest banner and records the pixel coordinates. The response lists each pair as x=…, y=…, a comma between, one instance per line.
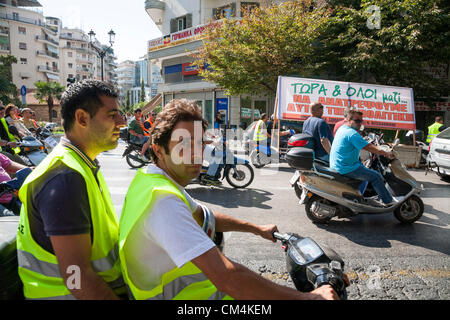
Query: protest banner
x=383, y=107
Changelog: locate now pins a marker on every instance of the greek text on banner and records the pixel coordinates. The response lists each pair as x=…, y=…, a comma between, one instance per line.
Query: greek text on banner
x=382, y=106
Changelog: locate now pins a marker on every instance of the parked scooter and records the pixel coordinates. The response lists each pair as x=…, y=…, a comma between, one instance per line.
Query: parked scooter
x=238, y=172
x=12, y=187
x=132, y=151
x=311, y=266
x=327, y=194
x=31, y=149
x=46, y=137
x=261, y=153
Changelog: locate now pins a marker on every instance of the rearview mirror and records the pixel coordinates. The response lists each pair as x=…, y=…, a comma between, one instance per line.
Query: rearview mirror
x=396, y=143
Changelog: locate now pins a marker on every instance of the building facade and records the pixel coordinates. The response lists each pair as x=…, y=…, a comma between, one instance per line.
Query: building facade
x=181, y=23
x=33, y=39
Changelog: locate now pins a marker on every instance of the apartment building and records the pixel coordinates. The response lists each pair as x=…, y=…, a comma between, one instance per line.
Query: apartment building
x=33, y=39
x=78, y=59
x=126, y=78
x=180, y=22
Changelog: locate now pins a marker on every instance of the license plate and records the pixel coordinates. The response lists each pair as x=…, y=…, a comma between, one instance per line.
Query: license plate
x=51, y=142
x=294, y=179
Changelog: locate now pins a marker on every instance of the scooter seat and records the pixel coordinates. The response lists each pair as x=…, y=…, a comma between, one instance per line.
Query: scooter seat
x=337, y=176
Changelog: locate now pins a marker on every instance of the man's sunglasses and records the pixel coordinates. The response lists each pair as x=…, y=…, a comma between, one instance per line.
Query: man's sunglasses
x=358, y=120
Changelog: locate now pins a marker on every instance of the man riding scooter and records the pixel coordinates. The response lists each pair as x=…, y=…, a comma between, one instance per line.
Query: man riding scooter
x=344, y=157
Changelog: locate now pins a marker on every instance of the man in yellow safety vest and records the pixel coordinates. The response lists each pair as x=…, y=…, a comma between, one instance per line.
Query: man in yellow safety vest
x=435, y=128
x=166, y=243
x=67, y=241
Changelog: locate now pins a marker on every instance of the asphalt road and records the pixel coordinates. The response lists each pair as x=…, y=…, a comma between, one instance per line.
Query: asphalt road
x=384, y=259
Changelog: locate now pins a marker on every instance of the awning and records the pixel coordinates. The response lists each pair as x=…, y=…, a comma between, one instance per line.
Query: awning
x=51, y=76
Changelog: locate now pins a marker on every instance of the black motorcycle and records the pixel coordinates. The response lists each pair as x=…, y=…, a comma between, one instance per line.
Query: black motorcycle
x=311, y=266
x=132, y=151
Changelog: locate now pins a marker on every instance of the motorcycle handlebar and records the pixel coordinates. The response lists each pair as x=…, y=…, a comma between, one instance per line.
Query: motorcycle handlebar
x=281, y=237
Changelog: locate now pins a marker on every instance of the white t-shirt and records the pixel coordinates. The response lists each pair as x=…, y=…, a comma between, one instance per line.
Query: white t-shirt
x=167, y=238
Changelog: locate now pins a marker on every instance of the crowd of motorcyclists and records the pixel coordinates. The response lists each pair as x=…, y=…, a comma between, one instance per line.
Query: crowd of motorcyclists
x=165, y=245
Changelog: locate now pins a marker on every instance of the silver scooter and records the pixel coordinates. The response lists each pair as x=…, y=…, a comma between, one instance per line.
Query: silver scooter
x=326, y=194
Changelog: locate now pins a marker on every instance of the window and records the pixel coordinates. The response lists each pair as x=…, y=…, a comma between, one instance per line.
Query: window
x=23, y=61
x=181, y=23
x=70, y=65
x=69, y=54
x=22, y=46
x=68, y=44
x=22, y=30
x=227, y=11
x=15, y=16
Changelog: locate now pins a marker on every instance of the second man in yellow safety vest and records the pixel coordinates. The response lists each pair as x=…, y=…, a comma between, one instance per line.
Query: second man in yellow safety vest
x=165, y=253
x=435, y=128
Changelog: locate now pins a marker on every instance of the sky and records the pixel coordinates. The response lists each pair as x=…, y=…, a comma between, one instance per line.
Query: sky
x=128, y=19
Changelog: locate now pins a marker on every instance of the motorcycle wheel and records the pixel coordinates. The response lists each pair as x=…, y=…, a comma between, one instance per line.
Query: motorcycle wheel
x=409, y=211
x=240, y=176
x=256, y=159
x=316, y=218
x=135, y=164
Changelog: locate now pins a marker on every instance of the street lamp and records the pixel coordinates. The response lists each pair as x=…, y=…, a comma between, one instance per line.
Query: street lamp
x=101, y=52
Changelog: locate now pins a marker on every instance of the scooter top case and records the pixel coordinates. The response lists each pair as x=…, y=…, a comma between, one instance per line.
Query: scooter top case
x=10, y=284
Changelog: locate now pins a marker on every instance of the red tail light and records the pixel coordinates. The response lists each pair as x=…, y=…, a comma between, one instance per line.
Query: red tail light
x=298, y=143
x=429, y=147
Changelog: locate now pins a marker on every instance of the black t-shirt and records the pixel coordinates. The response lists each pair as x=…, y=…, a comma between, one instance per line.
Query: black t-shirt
x=59, y=206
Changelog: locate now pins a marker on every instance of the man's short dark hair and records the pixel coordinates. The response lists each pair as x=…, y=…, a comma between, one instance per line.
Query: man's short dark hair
x=263, y=116
x=137, y=110
x=438, y=119
x=351, y=113
x=173, y=112
x=84, y=95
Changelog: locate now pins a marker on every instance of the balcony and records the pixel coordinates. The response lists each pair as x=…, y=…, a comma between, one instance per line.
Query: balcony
x=47, y=39
x=24, y=20
x=4, y=47
x=155, y=10
x=47, y=53
x=48, y=69
x=84, y=70
x=85, y=59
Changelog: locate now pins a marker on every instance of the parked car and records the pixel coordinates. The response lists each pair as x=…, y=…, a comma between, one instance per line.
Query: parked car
x=439, y=155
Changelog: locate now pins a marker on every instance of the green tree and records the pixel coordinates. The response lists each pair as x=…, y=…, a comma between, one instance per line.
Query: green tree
x=412, y=36
x=142, y=95
x=127, y=100
x=48, y=91
x=247, y=56
x=8, y=91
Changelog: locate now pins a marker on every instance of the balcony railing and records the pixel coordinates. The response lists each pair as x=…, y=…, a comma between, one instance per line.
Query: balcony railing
x=48, y=39
x=82, y=69
x=48, y=69
x=4, y=47
x=25, y=20
x=47, y=53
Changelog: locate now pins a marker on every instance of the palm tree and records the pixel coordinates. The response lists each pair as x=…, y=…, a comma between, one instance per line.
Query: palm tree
x=48, y=91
